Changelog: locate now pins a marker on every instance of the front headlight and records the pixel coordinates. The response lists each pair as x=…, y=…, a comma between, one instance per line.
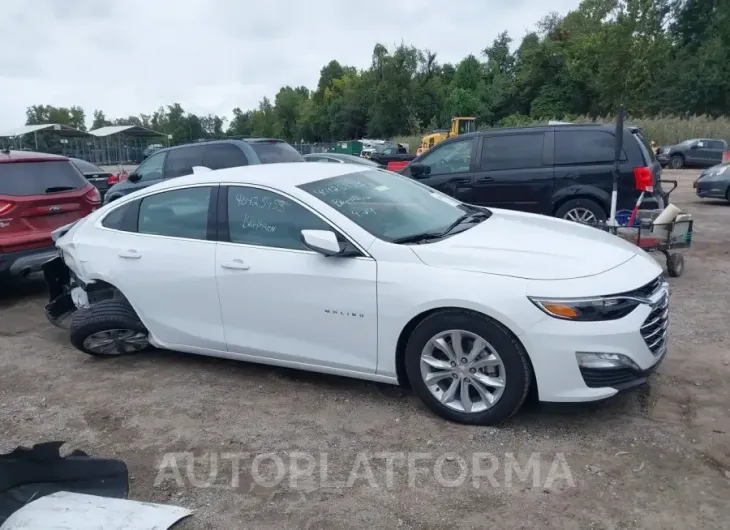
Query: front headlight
x=586, y=309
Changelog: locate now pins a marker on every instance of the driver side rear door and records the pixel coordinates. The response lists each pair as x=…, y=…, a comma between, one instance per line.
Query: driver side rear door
x=452, y=165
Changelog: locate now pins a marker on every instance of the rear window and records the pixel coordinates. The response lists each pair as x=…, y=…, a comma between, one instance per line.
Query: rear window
x=39, y=178
x=85, y=167
x=645, y=147
x=582, y=147
x=276, y=152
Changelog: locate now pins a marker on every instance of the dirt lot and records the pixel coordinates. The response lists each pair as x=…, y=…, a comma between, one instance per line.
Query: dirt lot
x=658, y=457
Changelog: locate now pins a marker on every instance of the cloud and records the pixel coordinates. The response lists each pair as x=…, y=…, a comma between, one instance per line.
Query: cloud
x=131, y=56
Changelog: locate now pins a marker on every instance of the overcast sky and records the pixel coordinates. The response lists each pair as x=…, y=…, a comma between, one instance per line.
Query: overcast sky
x=131, y=56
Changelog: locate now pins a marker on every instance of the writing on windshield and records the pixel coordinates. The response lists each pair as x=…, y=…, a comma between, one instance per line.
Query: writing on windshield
x=388, y=206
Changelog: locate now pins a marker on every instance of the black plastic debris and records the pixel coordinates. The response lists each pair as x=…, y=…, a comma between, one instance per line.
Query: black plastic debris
x=27, y=474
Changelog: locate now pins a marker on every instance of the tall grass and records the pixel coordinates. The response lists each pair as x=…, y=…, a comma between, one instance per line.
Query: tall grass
x=664, y=130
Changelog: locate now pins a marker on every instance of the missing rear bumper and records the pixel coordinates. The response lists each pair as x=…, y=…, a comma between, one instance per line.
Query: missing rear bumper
x=60, y=302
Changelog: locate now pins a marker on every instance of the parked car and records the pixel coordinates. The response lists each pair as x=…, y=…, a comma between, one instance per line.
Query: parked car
x=339, y=158
x=38, y=193
x=714, y=183
x=216, y=154
x=562, y=170
x=150, y=150
x=693, y=153
x=360, y=272
x=390, y=153
x=101, y=179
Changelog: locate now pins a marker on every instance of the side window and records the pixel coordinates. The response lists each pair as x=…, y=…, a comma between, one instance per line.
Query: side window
x=702, y=144
x=180, y=161
x=454, y=157
x=115, y=218
x=717, y=144
x=151, y=169
x=177, y=213
x=584, y=147
x=220, y=156
x=267, y=219
x=514, y=151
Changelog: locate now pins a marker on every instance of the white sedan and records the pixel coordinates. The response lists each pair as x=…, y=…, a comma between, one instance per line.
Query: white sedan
x=364, y=273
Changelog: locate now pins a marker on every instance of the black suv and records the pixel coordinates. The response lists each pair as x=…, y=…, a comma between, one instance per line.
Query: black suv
x=215, y=154
x=560, y=170
x=693, y=153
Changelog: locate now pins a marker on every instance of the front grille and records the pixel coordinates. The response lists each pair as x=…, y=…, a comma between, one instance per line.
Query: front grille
x=654, y=329
x=647, y=290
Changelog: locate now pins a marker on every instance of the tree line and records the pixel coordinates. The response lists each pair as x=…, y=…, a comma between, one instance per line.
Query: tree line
x=653, y=57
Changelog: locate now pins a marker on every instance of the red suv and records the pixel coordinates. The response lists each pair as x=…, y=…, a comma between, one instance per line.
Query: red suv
x=38, y=193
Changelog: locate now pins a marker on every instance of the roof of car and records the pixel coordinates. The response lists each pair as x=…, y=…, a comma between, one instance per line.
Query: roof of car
x=27, y=156
x=220, y=141
x=284, y=175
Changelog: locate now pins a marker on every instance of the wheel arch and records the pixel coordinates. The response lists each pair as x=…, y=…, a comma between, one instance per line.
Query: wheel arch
x=407, y=331
x=596, y=195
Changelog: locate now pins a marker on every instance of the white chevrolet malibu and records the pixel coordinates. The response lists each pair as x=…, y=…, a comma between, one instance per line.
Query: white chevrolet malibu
x=364, y=273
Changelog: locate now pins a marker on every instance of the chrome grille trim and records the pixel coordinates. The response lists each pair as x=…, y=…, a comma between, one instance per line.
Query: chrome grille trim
x=655, y=327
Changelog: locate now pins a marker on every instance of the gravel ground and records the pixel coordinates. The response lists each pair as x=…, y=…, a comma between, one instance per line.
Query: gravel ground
x=657, y=457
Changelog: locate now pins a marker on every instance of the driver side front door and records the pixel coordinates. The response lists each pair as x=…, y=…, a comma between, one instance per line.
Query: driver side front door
x=283, y=302
x=452, y=168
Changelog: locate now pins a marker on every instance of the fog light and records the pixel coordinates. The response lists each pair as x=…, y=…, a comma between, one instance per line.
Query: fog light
x=604, y=360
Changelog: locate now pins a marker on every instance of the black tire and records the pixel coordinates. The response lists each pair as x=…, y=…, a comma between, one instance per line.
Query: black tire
x=586, y=204
x=676, y=162
x=675, y=265
x=727, y=194
x=518, y=371
x=105, y=315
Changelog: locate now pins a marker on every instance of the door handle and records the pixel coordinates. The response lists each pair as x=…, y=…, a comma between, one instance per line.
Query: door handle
x=236, y=264
x=571, y=176
x=463, y=180
x=485, y=179
x=130, y=254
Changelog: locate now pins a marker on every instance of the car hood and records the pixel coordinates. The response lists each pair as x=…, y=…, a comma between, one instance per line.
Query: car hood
x=529, y=246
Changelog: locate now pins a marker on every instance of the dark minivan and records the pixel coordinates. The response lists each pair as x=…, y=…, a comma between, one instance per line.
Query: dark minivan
x=561, y=170
x=215, y=154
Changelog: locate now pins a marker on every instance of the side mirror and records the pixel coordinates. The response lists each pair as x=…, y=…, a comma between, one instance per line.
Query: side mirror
x=322, y=241
x=694, y=146
x=420, y=171
x=134, y=177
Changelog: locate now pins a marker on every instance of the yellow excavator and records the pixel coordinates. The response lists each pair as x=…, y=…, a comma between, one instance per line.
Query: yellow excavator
x=459, y=125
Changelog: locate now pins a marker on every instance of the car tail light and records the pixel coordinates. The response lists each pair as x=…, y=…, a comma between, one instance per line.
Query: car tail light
x=93, y=196
x=644, y=179
x=113, y=179
x=5, y=207
x=726, y=157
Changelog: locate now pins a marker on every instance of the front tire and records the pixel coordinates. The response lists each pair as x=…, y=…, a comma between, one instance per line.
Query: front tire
x=676, y=162
x=467, y=368
x=108, y=328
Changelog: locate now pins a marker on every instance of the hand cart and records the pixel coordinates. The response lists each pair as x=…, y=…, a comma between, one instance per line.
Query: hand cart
x=641, y=229
x=664, y=237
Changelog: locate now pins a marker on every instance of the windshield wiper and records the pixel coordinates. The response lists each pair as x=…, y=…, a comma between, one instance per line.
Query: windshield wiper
x=418, y=238
x=465, y=218
x=56, y=189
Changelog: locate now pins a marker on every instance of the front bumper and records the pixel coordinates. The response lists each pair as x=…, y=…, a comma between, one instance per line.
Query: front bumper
x=553, y=344
x=25, y=262
x=706, y=190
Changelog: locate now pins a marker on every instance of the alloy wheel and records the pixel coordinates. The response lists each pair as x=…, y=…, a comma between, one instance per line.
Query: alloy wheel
x=463, y=371
x=116, y=341
x=580, y=215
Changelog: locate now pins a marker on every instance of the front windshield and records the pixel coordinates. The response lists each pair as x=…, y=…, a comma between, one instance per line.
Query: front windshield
x=389, y=206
